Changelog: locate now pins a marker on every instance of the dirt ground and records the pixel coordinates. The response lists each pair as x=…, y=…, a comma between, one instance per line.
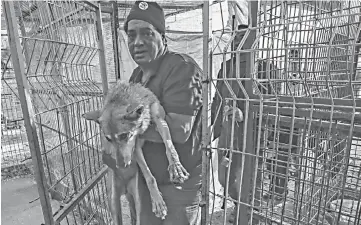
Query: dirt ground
x=18, y=195
x=16, y=209
x=19, y=208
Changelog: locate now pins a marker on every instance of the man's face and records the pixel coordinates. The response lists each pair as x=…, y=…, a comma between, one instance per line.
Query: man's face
x=144, y=41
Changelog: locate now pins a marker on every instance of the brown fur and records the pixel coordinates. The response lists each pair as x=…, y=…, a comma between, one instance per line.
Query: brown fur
x=127, y=112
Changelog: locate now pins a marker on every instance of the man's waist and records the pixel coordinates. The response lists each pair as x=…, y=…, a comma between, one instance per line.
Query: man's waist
x=176, y=195
x=194, y=180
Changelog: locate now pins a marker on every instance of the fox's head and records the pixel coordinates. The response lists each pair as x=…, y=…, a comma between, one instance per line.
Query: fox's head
x=121, y=125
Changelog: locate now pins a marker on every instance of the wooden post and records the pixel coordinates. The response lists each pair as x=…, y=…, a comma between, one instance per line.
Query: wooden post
x=243, y=215
x=28, y=110
x=102, y=60
x=205, y=116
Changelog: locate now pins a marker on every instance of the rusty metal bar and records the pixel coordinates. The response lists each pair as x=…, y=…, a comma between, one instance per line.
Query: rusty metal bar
x=59, y=20
x=231, y=147
x=25, y=41
x=311, y=117
x=182, y=11
x=287, y=111
x=60, y=42
x=164, y=6
x=341, y=128
x=102, y=59
x=245, y=213
x=205, y=115
x=115, y=29
x=319, y=101
x=79, y=196
x=63, y=110
x=304, y=102
x=91, y=4
x=319, y=46
x=28, y=110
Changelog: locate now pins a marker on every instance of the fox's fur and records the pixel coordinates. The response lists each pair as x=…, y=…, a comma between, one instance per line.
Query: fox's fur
x=128, y=110
x=124, y=94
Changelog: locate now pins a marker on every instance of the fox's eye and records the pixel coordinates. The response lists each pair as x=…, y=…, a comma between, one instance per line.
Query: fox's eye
x=122, y=137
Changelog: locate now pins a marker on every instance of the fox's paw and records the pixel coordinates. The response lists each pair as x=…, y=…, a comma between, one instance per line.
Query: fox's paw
x=159, y=207
x=178, y=174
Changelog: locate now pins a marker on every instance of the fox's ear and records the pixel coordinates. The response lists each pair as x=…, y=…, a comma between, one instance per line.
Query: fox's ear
x=92, y=115
x=134, y=112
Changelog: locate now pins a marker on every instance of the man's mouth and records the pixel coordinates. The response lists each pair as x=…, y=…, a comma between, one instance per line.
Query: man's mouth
x=139, y=52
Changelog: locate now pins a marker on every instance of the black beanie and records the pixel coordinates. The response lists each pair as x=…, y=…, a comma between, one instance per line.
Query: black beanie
x=149, y=12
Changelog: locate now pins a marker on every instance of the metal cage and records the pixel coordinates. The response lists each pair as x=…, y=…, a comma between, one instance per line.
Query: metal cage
x=14, y=147
x=58, y=57
x=296, y=156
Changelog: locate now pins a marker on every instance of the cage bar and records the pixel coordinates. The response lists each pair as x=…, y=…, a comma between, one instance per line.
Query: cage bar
x=304, y=113
x=27, y=109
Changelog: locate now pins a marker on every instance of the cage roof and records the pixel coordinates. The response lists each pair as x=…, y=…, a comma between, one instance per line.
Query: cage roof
x=170, y=7
x=165, y=4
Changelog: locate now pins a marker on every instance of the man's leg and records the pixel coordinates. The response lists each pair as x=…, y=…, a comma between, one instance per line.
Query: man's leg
x=183, y=215
x=183, y=206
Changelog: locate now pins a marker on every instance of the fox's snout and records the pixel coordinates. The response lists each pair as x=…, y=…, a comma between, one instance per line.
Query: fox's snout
x=127, y=154
x=127, y=160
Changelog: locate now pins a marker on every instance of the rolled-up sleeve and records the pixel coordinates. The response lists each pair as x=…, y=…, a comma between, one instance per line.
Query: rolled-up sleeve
x=182, y=91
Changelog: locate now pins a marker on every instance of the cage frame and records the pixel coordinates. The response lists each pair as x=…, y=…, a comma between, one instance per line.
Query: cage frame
x=254, y=103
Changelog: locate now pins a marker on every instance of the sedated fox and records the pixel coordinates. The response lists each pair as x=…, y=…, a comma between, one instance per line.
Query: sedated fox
x=128, y=110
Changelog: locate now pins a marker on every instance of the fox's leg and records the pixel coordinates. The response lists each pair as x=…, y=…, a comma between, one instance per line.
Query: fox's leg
x=116, y=189
x=158, y=204
x=178, y=174
x=133, y=189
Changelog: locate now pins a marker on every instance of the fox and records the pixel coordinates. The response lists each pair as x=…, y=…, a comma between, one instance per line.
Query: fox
x=128, y=111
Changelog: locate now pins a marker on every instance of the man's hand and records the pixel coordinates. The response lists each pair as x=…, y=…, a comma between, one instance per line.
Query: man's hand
x=228, y=113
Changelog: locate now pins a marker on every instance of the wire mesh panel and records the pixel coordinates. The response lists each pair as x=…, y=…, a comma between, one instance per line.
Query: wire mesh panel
x=60, y=45
x=294, y=157
x=14, y=147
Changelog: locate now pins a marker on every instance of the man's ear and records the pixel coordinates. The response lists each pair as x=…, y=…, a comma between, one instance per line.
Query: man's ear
x=92, y=115
x=135, y=113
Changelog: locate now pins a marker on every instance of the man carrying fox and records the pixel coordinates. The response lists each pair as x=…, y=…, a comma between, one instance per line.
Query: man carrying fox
x=157, y=115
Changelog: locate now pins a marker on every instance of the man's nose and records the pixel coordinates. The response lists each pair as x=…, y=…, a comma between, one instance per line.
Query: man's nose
x=138, y=40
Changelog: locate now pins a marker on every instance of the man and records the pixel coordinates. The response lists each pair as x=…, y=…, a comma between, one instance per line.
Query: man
x=221, y=114
x=176, y=80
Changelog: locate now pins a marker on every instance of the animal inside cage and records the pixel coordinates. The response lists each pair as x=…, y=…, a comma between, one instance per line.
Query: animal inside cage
x=295, y=158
